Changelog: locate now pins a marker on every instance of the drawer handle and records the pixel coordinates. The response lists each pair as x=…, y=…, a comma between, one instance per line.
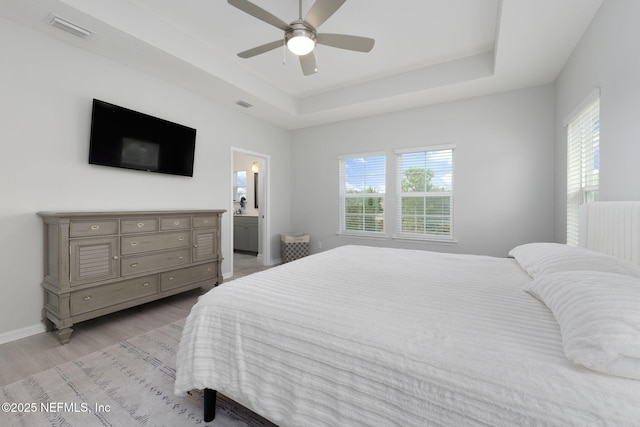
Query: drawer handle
x=134, y=243
x=140, y=224
x=170, y=278
x=181, y=238
x=195, y=246
x=87, y=298
x=176, y=222
x=181, y=257
x=95, y=227
x=145, y=284
x=206, y=221
x=115, y=257
x=134, y=265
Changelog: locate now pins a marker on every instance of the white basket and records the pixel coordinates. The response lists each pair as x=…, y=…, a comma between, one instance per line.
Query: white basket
x=295, y=238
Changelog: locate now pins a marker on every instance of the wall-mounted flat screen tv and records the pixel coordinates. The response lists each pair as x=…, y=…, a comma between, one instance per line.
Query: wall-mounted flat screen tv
x=128, y=139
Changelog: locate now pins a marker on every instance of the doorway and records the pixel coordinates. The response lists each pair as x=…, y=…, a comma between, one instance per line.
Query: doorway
x=249, y=210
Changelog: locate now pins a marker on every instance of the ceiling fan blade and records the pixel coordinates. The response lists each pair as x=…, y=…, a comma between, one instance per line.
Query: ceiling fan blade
x=308, y=64
x=321, y=11
x=259, y=13
x=261, y=49
x=344, y=41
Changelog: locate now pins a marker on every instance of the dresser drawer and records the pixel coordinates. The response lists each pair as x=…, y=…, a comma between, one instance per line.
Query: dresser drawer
x=204, y=221
x=178, y=278
x=154, y=242
x=106, y=295
x=99, y=227
x=139, y=225
x=145, y=263
x=177, y=223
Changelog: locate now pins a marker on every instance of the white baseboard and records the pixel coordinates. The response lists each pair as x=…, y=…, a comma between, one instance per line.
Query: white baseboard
x=22, y=333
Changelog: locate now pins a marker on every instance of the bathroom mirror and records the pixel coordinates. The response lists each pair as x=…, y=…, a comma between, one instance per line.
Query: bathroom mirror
x=255, y=190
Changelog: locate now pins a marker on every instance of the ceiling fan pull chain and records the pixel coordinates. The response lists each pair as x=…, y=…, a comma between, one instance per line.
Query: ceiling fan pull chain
x=284, y=52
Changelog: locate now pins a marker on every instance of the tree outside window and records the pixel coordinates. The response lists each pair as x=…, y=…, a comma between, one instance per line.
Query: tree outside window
x=425, y=194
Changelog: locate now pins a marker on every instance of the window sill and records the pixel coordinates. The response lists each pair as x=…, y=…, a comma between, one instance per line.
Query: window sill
x=364, y=236
x=425, y=240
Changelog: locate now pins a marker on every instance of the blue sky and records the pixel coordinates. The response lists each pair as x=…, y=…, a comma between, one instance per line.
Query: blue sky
x=361, y=173
x=364, y=172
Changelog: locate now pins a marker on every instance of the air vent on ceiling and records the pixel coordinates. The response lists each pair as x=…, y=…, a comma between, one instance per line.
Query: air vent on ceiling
x=69, y=27
x=244, y=104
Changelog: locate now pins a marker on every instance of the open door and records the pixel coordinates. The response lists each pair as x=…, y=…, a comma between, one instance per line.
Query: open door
x=249, y=198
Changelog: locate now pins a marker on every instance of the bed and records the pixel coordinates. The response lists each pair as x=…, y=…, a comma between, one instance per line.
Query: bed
x=375, y=336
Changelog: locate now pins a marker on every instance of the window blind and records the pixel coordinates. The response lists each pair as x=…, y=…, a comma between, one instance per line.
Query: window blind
x=425, y=193
x=362, y=192
x=583, y=161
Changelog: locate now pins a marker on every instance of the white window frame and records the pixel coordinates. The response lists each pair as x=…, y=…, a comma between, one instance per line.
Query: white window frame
x=405, y=235
x=583, y=158
x=344, y=196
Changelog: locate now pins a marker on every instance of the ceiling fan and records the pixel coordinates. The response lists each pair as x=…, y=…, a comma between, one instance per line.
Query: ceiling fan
x=301, y=35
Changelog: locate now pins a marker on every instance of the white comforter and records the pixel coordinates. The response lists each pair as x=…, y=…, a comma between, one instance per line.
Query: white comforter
x=387, y=337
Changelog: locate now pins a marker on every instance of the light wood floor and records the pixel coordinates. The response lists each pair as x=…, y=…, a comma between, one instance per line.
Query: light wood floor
x=27, y=356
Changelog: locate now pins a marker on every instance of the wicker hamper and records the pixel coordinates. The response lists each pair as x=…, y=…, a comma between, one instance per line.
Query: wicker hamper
x=294, y=246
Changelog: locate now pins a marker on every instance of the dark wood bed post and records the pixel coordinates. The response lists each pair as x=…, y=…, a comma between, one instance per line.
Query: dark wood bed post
x=209, y=405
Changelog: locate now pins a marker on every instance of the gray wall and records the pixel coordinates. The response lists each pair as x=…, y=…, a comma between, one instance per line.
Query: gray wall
x=607, y=57
x=46, y=91
x=503, y=171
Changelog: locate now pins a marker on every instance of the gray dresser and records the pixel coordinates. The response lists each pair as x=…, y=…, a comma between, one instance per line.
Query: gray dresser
x=97, y=263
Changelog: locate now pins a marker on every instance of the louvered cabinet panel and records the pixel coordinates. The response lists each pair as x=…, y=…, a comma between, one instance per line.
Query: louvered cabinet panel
x=205, y=244
x=93, y=260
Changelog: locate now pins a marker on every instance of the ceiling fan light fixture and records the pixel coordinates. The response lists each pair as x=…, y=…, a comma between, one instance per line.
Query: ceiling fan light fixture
x=301, y=35
x=300, y=40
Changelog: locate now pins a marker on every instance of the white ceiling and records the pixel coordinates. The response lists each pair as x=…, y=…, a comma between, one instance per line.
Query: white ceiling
x=426, y=51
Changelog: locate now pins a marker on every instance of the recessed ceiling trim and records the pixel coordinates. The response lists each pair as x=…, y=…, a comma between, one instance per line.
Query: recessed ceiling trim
x=531, y=43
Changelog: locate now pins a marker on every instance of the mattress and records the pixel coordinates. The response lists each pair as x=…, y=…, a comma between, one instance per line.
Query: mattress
x=390, y=337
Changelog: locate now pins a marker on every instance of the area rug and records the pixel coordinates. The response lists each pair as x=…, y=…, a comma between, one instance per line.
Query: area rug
x=126, y=384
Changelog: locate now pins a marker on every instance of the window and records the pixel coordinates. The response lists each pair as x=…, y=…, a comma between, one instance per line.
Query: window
x=239, y=185
x=425, y=193
x=583, y=160
x=362, y=189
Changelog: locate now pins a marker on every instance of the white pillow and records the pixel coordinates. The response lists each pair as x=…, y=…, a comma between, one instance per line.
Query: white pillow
x=546, y=258
x=599, y=318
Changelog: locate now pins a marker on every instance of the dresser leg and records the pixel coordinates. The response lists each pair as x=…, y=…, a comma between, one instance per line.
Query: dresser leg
x=48, y=324
x=63, y=334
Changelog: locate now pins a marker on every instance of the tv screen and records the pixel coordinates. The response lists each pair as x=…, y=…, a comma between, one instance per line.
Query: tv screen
x=128, y=139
